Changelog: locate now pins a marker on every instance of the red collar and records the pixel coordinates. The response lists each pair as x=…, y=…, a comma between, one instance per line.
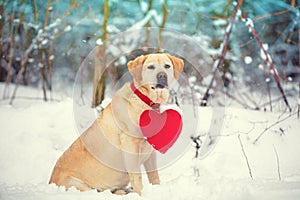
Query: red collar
x=144, y=98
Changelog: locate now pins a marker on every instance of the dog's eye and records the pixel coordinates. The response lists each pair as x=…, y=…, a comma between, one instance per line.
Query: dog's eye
x=151, y=67
x=167, y=66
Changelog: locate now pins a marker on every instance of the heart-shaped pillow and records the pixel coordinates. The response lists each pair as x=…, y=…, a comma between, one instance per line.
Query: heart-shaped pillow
x=161, y=129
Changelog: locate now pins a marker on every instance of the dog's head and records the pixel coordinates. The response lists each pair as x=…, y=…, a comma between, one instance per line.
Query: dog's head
x=154, y=73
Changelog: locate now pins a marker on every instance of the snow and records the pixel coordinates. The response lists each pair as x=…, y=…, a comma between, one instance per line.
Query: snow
x=17, y=20
x=123, y=60
x=274, y=71
x=151, y=15
x=68, y=28
x=192, y=80
x=170, y=107
x=248, y=60
x=99, y=42
x=260, y=66
x=229, y=27
x=144, y=6
x=56, y=23
x=264, y=55
x=113, y=29
x=35, y=133
x=40, y=32
x=17, y=38
x=35, y=26
x=239, y=13
x=220, y=22
x=30, y=60
x=40, y=65
x=51, y=57
x=55, y=30
x=249, y=22
x=265, y=46
x=162, y=1
x=45, y=41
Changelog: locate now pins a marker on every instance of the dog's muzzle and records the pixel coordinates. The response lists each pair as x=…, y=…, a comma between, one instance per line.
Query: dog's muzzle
x=162, y=80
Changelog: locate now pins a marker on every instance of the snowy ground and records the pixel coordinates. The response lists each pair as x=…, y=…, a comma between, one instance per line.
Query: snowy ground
x=34, y=134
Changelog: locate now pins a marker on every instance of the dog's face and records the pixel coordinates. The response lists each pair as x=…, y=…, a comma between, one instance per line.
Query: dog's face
x=155, y=73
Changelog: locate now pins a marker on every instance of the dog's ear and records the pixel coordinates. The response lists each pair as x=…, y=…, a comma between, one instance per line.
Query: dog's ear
x=178, y=65
x=135, y=67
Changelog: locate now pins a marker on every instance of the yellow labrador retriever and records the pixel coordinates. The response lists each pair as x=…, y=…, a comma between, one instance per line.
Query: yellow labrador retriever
x=109, y=154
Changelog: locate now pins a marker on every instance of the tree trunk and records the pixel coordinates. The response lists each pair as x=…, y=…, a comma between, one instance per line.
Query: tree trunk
x=99, y=74
x=165, y=14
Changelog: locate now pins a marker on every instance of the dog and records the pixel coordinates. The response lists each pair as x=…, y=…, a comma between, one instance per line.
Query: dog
x=110, y=153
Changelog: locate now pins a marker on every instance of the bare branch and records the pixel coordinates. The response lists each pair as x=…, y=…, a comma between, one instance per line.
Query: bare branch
x=198, y=142
x=223, y=53
x=236, y=99
x=39, y=37
x=270, y=96
x=274, y=14
x=272, y=125
x=22, y=68
x=165, y=13
x=68, y=11
x=299, y=82
x=299, y=96
x=268, y=59
x=11, y=54
x=277, y=161
x=46, y=17
x=246, y=158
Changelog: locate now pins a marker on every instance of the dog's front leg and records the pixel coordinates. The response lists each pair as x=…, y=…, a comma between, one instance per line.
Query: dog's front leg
x=151, y=169
x=130, y=147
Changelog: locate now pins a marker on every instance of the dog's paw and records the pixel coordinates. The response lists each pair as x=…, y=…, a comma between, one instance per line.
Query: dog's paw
x=122, y=191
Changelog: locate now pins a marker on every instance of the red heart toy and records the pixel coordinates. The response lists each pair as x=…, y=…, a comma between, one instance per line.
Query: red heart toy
x=161, y=129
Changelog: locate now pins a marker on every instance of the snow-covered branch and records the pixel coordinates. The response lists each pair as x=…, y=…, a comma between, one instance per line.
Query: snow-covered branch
x=42, y=43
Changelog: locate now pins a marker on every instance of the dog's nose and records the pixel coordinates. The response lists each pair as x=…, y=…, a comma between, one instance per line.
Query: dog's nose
x=162, y=80
x=161, y=75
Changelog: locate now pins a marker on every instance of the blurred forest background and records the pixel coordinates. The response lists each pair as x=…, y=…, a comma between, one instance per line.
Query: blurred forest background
x=255, y=44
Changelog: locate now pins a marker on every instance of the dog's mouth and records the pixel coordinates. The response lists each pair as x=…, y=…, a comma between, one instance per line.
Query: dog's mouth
x=160, y=85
